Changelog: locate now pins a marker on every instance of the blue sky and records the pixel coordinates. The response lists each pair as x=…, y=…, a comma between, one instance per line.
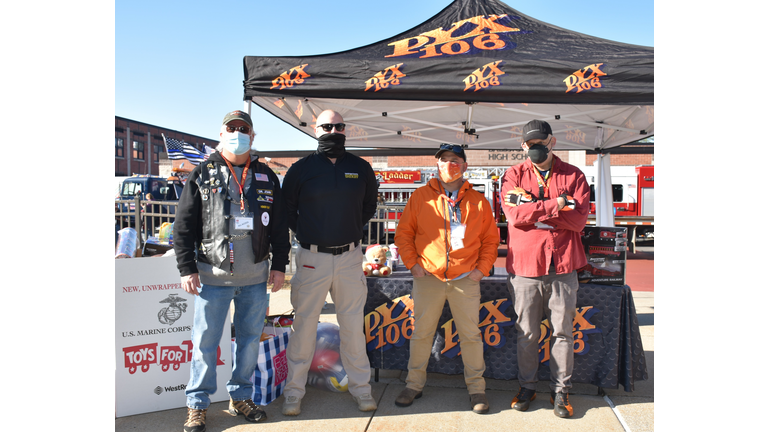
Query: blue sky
x=179, y=64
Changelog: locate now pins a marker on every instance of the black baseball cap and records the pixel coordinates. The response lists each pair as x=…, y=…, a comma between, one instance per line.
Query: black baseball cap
x=536, y=129
x=238, y=115
x=451, y=147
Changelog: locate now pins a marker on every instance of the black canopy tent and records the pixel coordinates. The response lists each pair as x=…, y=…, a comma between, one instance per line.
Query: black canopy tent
x=473, y=74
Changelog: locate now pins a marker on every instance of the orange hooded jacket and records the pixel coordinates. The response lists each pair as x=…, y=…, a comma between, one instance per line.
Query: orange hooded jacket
x=423, y=234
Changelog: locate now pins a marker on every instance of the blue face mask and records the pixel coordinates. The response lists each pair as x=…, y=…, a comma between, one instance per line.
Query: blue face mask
x=236, y=143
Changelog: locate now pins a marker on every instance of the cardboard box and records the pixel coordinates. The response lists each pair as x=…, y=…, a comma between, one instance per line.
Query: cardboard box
x=606, y=250
x=155, y=247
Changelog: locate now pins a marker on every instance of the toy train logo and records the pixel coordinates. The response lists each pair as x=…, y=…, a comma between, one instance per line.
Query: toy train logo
x=167, y=357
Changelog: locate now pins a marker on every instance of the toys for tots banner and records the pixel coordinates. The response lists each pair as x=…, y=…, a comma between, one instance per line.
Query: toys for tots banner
x=153, y=338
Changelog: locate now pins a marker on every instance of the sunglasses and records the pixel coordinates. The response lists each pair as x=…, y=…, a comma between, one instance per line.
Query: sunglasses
x=452, y=147
x=327, y=127
x=243, y=129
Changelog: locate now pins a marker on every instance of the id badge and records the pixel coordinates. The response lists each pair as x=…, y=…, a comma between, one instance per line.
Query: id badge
x=244, y=222
x=457, y=235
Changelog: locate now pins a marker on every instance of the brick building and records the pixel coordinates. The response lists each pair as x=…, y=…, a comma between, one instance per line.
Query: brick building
x=493, y=160
x=139, y=147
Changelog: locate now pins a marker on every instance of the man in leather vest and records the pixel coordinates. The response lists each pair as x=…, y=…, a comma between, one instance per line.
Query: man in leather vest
x=231, y=212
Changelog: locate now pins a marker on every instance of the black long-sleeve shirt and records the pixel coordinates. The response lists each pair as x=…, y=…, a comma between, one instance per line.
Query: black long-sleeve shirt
x=328, y=204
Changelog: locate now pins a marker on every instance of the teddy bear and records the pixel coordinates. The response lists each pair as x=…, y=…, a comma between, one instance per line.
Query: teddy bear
x=376, y=261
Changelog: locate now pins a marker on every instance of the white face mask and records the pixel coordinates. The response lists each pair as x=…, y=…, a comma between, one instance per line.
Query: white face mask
x=236, y=143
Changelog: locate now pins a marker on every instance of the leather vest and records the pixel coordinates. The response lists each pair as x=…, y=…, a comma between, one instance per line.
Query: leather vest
x=218, y=209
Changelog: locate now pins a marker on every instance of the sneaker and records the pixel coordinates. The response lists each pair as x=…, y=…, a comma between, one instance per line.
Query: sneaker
x=563, y=408
x=479, y=403
x=522, y=401
x=292, y=406
x=248, y=409
x=195, y=420
x=406, y=397
x=365, y=402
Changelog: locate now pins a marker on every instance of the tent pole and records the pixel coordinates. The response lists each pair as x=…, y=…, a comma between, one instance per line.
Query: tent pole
x=247, y=106
x=604, y=193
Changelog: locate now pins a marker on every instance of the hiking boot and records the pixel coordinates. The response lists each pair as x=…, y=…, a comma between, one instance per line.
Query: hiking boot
x=292, y=406
x=195, y=420
x=479, y=403
x=365, y=402
x=406, y=397
x=522, y=401
x=248, y=409
x=563, y=408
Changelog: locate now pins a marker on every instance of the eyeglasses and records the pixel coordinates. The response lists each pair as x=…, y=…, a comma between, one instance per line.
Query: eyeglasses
x=243, y=129
x=327, y=127
x=544, y=142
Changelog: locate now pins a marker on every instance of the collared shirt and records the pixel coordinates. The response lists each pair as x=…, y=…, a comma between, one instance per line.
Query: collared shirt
x=540, y=235
x=328, y=204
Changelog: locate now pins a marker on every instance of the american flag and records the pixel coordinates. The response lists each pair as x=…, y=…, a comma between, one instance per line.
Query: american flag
x=181, y=150
x=208, y=151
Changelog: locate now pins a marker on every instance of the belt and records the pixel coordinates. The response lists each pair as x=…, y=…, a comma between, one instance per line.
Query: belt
x=338, y=250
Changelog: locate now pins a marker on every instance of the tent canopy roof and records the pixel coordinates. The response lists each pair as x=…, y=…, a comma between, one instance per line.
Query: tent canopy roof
x=473, y=74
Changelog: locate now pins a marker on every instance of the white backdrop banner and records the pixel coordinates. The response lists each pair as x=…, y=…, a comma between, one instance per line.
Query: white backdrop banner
x=153, y=338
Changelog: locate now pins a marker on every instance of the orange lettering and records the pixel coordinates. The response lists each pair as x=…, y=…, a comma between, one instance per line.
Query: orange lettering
x=483, y=31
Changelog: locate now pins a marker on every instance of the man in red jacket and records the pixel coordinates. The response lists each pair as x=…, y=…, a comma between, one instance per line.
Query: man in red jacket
x=546, y=205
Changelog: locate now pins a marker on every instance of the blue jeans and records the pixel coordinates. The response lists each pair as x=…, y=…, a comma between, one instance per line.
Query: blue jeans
x=211, y=309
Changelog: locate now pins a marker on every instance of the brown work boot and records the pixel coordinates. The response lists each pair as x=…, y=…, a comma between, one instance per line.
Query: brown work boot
x=248, y=409
x=479, y=403
x=195, y=420
x=406, y=397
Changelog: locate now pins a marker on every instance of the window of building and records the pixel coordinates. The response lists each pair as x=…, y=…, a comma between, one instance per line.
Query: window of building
x=119, y=150
x=138, y=150
x=156, y=153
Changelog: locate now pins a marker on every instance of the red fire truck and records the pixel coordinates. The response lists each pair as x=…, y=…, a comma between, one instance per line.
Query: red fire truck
x=395, y=189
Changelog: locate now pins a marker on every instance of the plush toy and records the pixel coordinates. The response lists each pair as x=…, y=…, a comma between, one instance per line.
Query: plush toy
x=376, y=261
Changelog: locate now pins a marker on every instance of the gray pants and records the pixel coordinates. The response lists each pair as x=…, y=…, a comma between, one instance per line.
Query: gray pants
x=553, y=296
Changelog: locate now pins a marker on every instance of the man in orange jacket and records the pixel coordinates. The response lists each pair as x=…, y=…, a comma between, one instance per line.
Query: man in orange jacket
x=447, y=238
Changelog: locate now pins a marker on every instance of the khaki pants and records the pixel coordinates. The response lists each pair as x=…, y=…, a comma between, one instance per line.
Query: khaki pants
x=553, y=296
x=318, y=273
x=429, y=296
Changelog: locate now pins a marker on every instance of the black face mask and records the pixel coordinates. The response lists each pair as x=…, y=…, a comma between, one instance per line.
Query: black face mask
x=538, y=153
x=331, y=144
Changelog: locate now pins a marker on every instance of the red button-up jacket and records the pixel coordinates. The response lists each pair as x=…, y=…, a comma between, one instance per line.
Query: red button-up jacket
x=532, y=244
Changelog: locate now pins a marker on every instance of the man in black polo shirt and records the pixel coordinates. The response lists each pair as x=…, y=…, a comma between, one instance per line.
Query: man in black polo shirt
x=330, y=195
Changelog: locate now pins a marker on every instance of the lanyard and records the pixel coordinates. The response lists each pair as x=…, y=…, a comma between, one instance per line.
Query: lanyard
x=454, y=206
x=544, y=182
x=239, y=183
